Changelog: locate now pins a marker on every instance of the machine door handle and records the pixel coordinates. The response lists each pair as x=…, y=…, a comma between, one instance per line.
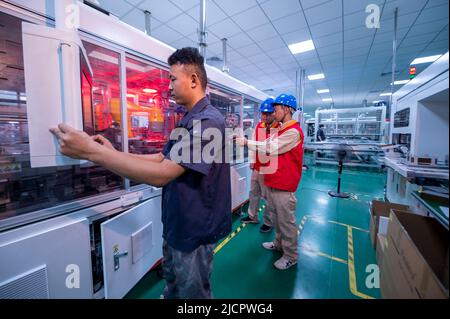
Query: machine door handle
x=117, y=257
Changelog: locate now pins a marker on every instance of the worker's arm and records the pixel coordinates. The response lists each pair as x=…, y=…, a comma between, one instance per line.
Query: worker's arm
x=77, y=144
x=158, y=157
x=276, y=145
x=136, y=168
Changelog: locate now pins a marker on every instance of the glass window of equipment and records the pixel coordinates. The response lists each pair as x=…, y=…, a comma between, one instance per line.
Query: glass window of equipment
x=250, y=118
x=346, y=123
x=251, y=114
x=369, y=124
x=24, y=189
x=151, y=114
x=328, y=120
x=229, y=104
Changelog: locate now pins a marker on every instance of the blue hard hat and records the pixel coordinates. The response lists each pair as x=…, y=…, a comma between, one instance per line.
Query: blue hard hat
x=287, y=100
x=266, y=106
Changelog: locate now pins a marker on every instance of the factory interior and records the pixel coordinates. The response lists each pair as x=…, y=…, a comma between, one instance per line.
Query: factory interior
x=370, y=83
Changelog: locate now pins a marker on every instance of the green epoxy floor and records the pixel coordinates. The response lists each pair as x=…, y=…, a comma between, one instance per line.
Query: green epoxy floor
x=243, y=269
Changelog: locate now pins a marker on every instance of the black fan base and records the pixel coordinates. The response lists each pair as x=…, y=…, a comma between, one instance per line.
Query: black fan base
x=339, y=195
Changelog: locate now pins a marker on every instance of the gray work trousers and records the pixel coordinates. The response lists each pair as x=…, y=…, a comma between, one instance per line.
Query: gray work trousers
x=258, y=190
x=188, y=274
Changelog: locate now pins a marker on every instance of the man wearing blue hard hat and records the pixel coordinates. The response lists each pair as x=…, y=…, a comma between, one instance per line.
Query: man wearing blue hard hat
x=257, y=190
x=285, y=149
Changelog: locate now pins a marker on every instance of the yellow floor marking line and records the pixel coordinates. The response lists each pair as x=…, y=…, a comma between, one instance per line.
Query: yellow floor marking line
x=351, y=259
x=351, y=267
x=346, y=225
x=319, y=253
x=299, y=231
x=302, y=224
x=226, y=240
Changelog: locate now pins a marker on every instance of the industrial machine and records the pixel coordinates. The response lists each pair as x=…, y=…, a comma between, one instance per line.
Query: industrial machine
x=69, y=228
x=365, y=123
x=420, y=131
x=365, y=154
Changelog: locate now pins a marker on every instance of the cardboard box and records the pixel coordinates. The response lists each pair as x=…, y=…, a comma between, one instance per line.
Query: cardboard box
x=394, y=283
x=381, y=245
x=383, y=225
x=377, y=209
x=422, y=248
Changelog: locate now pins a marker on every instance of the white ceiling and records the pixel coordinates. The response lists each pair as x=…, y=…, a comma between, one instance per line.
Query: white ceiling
x=352, y=57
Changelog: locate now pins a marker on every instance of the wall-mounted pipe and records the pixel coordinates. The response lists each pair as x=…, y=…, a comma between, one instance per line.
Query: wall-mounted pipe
x=202, y=31
x=225, y=67
x=148, y=22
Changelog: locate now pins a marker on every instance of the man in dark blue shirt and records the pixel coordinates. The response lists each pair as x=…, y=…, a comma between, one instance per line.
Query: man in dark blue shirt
x=196, y=203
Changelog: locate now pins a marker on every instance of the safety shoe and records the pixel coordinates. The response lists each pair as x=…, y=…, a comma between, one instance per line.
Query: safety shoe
x=270, y=246
x=284, y=263
x=265, y=228
x=249, y=220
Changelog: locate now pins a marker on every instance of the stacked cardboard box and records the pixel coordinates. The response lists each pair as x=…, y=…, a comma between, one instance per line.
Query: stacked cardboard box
x=378, y=210
x=415, y=259
x=381, y=247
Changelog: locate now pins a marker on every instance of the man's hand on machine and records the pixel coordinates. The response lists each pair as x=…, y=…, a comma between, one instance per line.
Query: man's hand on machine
x=102, y=141
x=75, y=143
x=241, y=141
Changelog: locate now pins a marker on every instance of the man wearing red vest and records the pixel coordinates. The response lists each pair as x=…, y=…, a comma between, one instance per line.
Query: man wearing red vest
x=282, y=178
x=261, y=133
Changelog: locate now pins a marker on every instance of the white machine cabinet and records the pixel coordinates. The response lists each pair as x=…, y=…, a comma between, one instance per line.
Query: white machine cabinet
x=420, y=116
x=53, y=62
x=131, y=245
x=54, y=258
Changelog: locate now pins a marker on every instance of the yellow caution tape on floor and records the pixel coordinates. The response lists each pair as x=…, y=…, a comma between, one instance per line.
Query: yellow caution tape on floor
x=351, y=267
x=226, y=240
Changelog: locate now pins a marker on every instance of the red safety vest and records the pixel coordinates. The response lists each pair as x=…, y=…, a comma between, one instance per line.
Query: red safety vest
x=289, y=169
x=260, y=127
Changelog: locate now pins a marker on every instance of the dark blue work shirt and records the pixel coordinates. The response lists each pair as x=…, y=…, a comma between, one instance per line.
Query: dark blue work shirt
x=196, y=207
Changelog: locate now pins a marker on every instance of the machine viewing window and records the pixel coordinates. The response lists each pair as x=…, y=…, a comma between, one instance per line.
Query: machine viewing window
x=251, y=114
x=229, y=105
x=401, y=118
x=86, y=100
x=251, y=118
x=105, y=95
x=24, y=189
x=151, y=114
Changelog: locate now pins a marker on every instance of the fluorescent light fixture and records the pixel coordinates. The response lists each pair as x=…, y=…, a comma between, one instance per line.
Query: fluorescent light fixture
x=386, y=94
x=149, y=90
x=400, y=82
x=318, y=76
x=323, y=91
x=248, y=107
x=130, y=95
x=301, y=47
x=426, y=59
x=327, y=100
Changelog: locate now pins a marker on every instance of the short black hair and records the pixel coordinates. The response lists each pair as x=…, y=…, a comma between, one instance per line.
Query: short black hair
x=190, y=57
